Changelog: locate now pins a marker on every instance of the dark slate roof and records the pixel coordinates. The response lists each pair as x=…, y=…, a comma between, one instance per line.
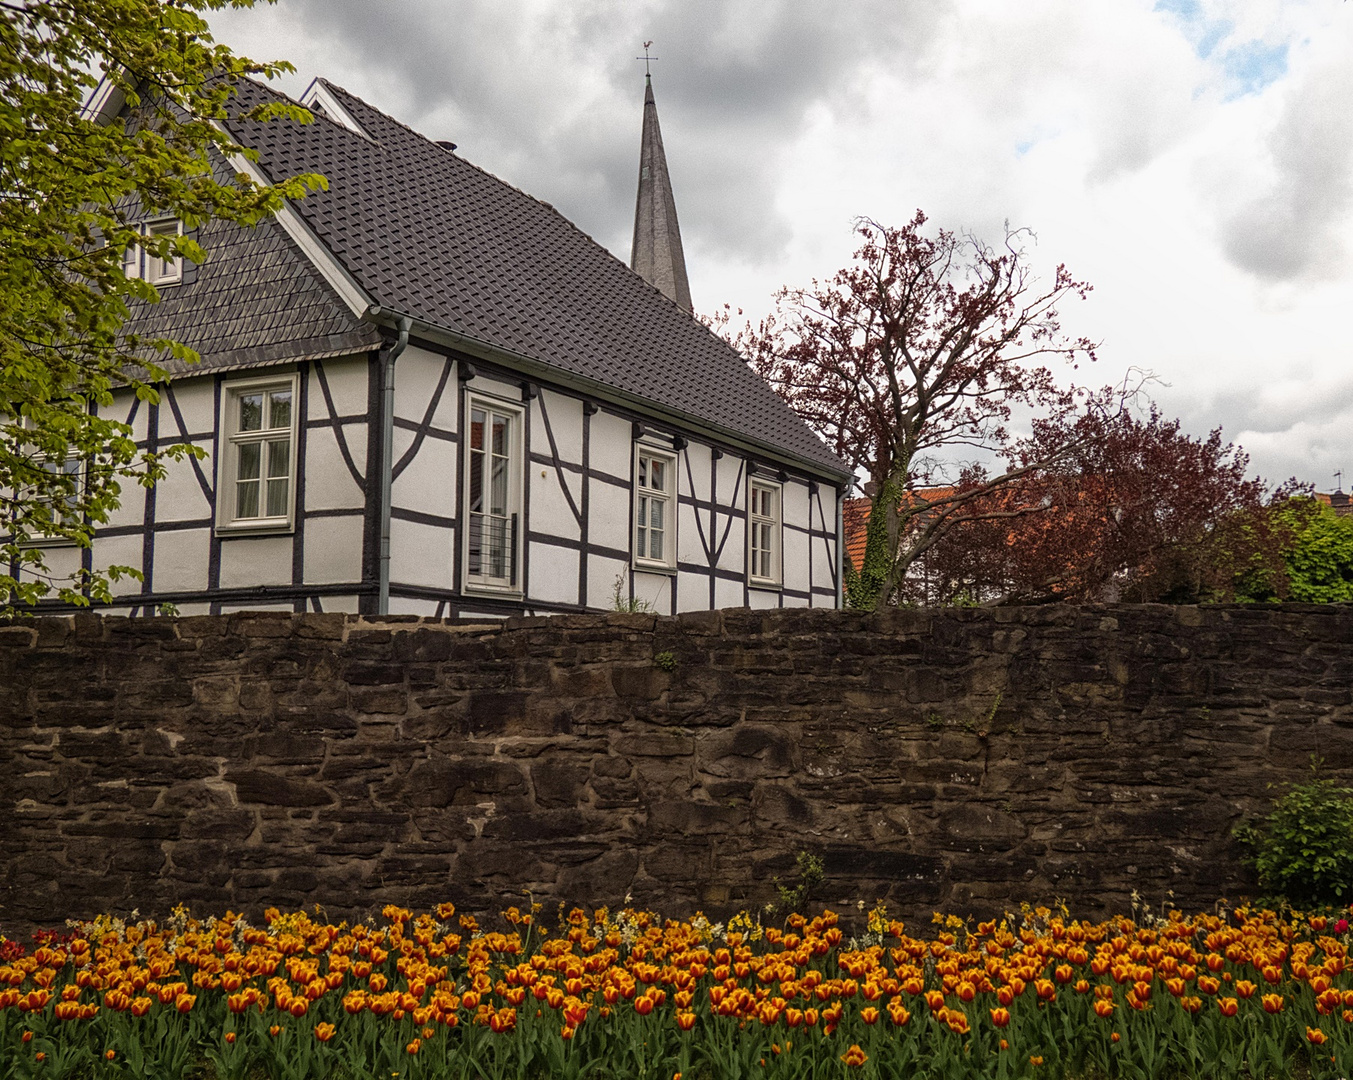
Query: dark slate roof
x=426, y=233
x=256, y=300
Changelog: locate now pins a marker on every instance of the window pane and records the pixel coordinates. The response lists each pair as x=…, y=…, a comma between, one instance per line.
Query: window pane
x=250, y=454
x=277, y=497
x=246, y=499
x=497, y=530
x=476, y=544
x=280, y=411
x=498, y=490
x=643, y=471
x=658, y=475
x=476, y=481
x=657, y=507
x=279, y=457
x=476, y=429
x=251, y=412
x=655, y=544
x=499, y=434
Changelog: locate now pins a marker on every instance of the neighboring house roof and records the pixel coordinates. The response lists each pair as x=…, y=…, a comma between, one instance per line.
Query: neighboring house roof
x=855, y=520
x=425, y=233
x=256, y=300
x=1339, y=501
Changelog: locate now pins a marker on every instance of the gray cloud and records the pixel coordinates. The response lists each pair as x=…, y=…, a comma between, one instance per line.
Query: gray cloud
x=551, y=99
x=1289, y=232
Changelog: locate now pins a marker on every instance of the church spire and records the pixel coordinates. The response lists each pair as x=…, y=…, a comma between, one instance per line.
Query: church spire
x=656, y=255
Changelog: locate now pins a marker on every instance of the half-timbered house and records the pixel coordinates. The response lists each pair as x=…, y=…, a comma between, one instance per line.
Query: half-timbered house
x=423, y=391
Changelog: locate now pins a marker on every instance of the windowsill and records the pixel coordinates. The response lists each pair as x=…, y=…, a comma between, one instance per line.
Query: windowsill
x=653, y=568
x=49, y=542
x=485, y=588
x=765, y=583
x=255, y=528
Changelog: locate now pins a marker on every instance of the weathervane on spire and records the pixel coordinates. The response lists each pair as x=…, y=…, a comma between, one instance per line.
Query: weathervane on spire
x=647, y=59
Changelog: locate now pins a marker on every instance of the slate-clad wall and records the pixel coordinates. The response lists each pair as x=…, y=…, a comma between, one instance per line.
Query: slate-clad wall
x=958, y=759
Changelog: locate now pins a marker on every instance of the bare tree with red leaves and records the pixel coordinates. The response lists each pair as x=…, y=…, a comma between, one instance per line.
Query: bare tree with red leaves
x=918, y=352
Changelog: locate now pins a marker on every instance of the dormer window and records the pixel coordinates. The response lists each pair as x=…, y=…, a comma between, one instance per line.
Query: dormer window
x=137, y=262
x=164, y=271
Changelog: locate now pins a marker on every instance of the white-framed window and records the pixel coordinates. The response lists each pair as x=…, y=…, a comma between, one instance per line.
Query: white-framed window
x=137, y=262
x=61, y=504
x=493, y=494
x=163, y=271
x=654, y=508
x=257, y=486
x=763, y=533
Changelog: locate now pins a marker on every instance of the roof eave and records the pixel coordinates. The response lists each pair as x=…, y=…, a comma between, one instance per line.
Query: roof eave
x=532, y=366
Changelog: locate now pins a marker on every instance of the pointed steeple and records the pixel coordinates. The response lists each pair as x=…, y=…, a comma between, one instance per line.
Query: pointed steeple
x=656, y=255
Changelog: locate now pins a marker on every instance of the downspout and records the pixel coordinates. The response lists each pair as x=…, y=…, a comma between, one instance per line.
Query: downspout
x=841, y=546
x=388, y=358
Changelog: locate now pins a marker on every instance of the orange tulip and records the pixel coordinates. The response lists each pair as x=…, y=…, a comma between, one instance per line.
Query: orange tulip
x=1000, y=1017
x=855, y=1057
x=1316, y=1036
x=1229, y=1006
x=685, y=1020
x=1273, y=1003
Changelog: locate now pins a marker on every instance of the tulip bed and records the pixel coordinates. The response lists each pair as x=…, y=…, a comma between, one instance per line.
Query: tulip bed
x=1229, y=994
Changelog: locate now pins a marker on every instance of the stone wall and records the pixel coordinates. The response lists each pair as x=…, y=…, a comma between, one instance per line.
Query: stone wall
x=963, y=759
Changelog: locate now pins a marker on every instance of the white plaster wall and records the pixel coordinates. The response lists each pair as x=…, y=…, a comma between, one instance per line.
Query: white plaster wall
x=761, y=599
x=795, y=553
x=689, y=548
x=417, y=372
x=482, y=385
x=328, y=484
x=62, y=560
x=824, y=554
x=179, y=496
x=132, y=506
x=550, y=511
x=601, y=574
x=421, y=554
x=333, y=550
x=566, y=421
x=118, y=551
x=611, y=445
x=734, y=556
x=609, y=511
x=402, y=605
x=554, y=574
x=181, y=558
x=429, y=481
x=654, y=588
x=692, y=592
x=347, y=379
x=255, y=560
x=346, y=604
x=727, y=594
x=196, y=401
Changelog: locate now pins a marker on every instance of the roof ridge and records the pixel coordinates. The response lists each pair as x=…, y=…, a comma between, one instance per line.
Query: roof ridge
x=319, y=114
x=547, y=205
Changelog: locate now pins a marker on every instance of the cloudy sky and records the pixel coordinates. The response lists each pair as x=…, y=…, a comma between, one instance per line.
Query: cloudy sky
x=1191, y=158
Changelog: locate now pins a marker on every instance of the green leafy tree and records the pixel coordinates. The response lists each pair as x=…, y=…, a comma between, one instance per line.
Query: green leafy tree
x=1317, y=556
x=79, y=171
